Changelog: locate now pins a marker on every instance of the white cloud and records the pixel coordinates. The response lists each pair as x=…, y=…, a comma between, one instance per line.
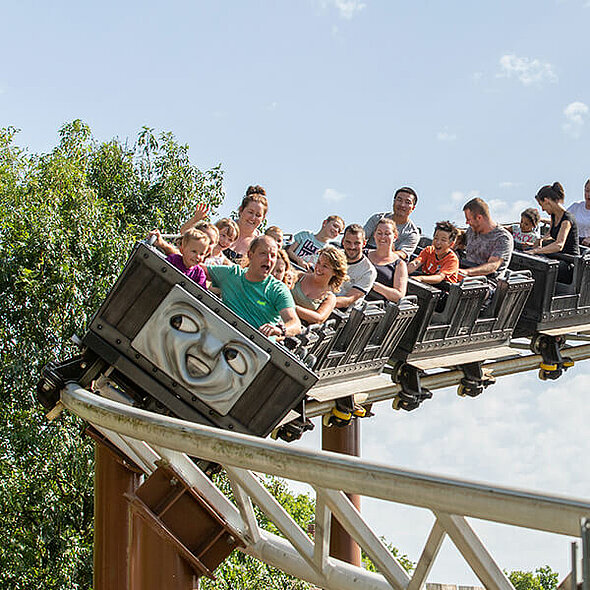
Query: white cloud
x=526, y=70
x=509, y=184
x=272, y=106
x=453, y=207
x=575, y=114
x=333, y=196
x=506, y=212
x=446, y=136
x=502, y=211
x=346, y=9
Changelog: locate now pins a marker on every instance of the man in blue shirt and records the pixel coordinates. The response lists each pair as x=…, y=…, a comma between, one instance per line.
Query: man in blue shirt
x=254, y=294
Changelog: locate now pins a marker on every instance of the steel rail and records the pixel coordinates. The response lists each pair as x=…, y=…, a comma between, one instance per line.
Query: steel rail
x=522, y=508
x=388, y=389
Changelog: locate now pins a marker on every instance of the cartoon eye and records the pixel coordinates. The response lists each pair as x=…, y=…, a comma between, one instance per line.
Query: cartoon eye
x=236, y=360
x=184, y=324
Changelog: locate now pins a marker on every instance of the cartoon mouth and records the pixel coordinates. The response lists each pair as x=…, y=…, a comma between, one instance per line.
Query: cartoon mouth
x=196, y=367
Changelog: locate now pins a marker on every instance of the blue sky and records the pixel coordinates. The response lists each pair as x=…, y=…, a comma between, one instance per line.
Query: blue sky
x=331, y=105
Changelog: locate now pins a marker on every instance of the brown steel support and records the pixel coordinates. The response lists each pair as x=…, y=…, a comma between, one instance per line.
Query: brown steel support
x=345, y=440
x=112, y=479
x=154, y=563
x=128, y=553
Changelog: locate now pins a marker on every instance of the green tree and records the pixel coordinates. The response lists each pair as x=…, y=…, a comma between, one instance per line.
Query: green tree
x=68, y=219
x=544, y=578
x=242, y=572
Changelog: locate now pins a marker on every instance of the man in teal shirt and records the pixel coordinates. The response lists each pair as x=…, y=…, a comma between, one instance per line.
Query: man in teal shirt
x=254, y=294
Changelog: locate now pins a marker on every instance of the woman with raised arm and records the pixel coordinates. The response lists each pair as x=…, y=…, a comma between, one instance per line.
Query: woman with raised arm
x=314, y=291
x=392, y=273
x=564, y=229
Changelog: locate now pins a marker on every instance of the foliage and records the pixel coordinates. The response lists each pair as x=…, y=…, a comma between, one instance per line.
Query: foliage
x=242, y=572
x=402, y=558
x=544, y=578
x=68, y=219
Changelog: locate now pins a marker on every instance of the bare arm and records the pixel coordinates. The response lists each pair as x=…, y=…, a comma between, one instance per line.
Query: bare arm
x=558, y=244
x=320, y=315
x=297, y=259
x=431, y=279
x=162, y=244
x=414, y=265
x=399, y=287
x=491, y=266
x=199, y=214
x=344, y=301
x=290, y=320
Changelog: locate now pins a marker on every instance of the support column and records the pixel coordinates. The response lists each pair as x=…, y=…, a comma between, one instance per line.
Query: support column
x=345, y=440
x=128, y=553
x=112, y=480
x=155, y=563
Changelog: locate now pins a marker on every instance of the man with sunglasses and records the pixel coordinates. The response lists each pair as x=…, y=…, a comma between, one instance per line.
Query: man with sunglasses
x=404, y=202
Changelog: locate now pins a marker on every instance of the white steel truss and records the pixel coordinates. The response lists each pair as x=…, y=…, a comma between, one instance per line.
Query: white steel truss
x=146, y=437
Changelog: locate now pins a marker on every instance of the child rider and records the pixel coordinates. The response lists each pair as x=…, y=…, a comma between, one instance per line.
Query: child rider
x=438, y=262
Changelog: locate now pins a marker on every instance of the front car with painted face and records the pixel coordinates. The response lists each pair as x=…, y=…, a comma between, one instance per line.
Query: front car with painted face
x=199, y=350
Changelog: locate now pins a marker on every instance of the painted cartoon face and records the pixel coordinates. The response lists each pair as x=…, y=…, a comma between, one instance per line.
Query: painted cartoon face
x=199, y=350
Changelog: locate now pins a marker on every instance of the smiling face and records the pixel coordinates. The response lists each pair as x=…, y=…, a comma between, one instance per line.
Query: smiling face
x=385, y=236
x=441, y=241
x=251, y=216
x=403, y=204
x=198, y=350
x=333, y=228
x=323, y=269
x=194, y=252
x=227, y=237
x=526, y=224
x=353, y=244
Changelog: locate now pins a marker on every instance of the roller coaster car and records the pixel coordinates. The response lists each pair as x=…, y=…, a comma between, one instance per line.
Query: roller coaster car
x=170, y=346
x=559, y=303
x=350, y=345
x=462, y=333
